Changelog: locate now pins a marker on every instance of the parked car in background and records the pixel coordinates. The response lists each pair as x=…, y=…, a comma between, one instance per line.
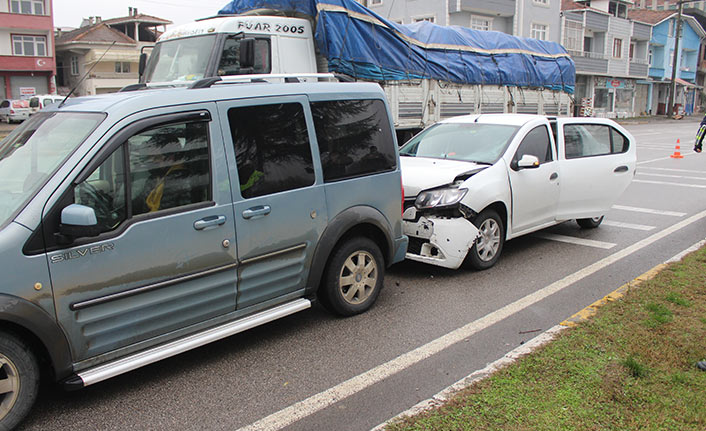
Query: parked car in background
x=137, y=225
x=475, y=181
x=12, y=110
x=38, y=102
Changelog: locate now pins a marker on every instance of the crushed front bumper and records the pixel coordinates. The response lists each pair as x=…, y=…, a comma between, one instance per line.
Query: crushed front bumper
x=439, y=241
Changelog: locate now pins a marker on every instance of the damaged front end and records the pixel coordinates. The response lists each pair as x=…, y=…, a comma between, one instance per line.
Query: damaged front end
x=439, y=227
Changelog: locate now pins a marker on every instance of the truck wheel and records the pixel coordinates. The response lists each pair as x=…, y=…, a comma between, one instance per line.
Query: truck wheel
x=590, y=223
x=19, y=380
x=489, y=244
x=353, y=277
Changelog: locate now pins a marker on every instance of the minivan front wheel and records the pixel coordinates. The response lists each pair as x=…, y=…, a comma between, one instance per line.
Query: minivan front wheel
x=19, y=380
x=353, y=277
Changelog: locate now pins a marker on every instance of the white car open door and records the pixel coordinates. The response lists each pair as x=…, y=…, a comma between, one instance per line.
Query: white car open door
x=597, y=160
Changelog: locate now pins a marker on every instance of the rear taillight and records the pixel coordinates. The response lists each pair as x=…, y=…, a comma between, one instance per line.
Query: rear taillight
x=12, y=111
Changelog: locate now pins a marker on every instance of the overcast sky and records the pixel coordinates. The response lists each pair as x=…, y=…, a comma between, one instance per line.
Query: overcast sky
x=69, y=13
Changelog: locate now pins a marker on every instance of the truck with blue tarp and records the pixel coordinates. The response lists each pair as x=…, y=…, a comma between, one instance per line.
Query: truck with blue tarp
x=429, y=72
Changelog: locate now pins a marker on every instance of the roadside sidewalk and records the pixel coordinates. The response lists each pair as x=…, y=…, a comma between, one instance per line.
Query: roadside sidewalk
x=695, y=118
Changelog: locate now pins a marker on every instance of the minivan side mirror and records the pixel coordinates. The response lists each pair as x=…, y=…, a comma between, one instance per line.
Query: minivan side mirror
x=247, y=53
x=527, y=161
x=78, y=221
x=143, y=63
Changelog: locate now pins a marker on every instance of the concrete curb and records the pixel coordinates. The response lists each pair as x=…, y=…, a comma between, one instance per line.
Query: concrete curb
x=535, y=342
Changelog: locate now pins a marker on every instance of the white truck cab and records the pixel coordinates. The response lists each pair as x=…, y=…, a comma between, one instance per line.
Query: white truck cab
x=231, y=45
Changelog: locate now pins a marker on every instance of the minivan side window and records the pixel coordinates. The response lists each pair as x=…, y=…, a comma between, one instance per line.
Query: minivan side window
x=354, y=138
x=272, y=149
x=167, y=167
x=536, y=143
x=585, y=140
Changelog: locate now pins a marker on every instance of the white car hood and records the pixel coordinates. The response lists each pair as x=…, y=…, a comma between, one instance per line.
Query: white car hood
x=421, y=173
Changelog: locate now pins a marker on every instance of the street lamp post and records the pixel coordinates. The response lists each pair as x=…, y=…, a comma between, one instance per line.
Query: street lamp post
x=675, y=61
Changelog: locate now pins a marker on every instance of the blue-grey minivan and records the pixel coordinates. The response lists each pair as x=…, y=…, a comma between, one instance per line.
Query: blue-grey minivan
x=138, y=225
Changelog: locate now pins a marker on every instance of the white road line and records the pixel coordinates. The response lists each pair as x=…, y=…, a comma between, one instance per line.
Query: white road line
x=648, y=211
x=665, y=158
x=320, y=401
x=518, y=352
x=674, y=170
x=667, y=183
x=685, y=177
x=627, y=225
x=574, y=240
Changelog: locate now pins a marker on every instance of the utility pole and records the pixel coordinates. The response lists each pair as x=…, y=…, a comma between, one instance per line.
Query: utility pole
x=675, y=61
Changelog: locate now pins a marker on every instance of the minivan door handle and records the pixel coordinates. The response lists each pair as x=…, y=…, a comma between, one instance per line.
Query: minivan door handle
x=622, y=168
x=260, y=210
x=211, y=221
x=553, y=176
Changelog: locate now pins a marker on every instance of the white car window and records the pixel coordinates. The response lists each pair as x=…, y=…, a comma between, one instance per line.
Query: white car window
x=585, y=140
x=475, y=142
x=536, y=143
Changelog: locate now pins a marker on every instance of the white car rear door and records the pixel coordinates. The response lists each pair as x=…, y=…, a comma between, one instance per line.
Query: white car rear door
x=597, y=160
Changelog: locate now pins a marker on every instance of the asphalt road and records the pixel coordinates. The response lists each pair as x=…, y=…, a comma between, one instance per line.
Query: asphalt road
x=429, y=328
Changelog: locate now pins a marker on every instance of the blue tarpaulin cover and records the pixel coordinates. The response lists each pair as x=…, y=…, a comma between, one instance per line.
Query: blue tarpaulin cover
x=362, y=44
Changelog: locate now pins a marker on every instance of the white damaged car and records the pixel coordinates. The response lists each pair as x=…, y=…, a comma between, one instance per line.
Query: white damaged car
x=475, y=181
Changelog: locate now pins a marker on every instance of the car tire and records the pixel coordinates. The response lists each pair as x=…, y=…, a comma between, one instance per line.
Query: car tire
x=353, y=277
x=19, y=378
x=590, y=223
x=488, y=245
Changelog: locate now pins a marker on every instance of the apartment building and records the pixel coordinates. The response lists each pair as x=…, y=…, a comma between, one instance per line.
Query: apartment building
x=109, y=48
x=661, y=59
x=27, y=64
x=611, y=56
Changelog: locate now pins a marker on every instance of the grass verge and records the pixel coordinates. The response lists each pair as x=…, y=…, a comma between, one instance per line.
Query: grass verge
x=629, y=367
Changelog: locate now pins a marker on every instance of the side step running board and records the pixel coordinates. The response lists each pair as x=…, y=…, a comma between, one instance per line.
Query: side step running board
x=111, y=369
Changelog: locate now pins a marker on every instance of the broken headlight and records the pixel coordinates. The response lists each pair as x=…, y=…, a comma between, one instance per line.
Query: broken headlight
x=440, y=198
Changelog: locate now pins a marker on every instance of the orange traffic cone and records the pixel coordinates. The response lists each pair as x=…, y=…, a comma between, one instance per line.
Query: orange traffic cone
x=677, y=154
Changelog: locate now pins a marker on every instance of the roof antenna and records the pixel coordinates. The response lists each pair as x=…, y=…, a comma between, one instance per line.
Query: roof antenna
x=85, y=75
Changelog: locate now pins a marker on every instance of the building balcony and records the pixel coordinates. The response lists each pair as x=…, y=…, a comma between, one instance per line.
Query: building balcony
x=501, y=8
x=638, y=68
x=656, y=72
x=589, y=62
x=687, y=75
x=25, y=63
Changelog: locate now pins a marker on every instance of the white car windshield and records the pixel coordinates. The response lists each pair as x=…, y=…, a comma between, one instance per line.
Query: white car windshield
x=471, y=142
x=33, y=151
x=180, y=59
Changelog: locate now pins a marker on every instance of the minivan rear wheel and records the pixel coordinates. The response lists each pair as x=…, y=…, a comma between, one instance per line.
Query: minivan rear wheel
x=353, y=277
x=19, y=380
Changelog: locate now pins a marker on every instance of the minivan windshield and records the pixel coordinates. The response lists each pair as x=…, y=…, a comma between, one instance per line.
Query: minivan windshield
x=184, y=59
x=471, y=142
x=33, y=151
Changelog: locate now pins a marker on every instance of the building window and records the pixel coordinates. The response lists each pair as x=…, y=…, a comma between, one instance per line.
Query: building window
x=573, y=36
x=631, y=55
x=617, y=48
x=28, y=7
x=122, y=67
x=481, y=23
x=649, y=57
x=32, y=46
x=539, y=31
x=541, y=2
x=425, y=18
x=619, y=10
x=74, y=65
x=375, y=3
